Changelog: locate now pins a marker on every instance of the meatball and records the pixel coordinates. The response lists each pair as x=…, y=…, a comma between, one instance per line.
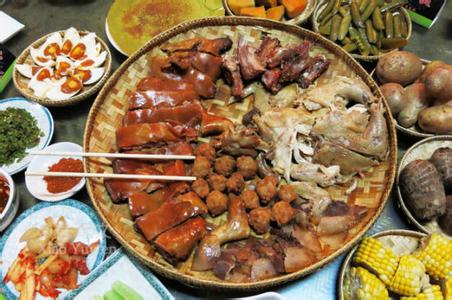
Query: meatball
x=247, y=166
x=201, y=187
x=235, y=183
x=283, y=213
x=225, y=165
x=266, y=188
x=201, y=167
x=217, y=182
x=250, y=199
x=259, y=219
x=206, y=150
x=217, y=203
x=287, y=193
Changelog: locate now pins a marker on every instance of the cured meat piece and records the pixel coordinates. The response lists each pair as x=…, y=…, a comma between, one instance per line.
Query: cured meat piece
x=145, y=134
x=214, y=46
x=176, y=244
x=141, y=203
x=181, y=148
x=119, y=189
x=213, y=124
x=292, y=70
x=188, y=114
x=318, y=65
x=250, y=64
x=194, y=199
x=204, y=85
x=165, y=217
x=152, y=99
x=133, y=166
x=268, y=48
x=232, y=74
x=271, y=79
x=163, y=84
x=203, y=62
x=286, y=55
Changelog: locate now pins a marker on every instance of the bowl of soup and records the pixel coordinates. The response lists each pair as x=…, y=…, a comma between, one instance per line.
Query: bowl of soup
x=9, y=199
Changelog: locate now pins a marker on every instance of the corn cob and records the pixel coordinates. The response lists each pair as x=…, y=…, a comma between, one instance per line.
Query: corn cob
x=408, y=276
x=378, y=259
x=436, y=254
x=431, y=293
x=446, y=286
x=368, y=286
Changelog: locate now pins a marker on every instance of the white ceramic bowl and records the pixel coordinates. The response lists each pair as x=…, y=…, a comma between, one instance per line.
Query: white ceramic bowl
x=36, y=184
x=12, y=205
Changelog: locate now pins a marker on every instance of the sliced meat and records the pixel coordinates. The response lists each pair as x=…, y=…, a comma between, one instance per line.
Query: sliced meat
x=141, y=203
x=250, y=63
x=318, y=65
x=133, y=166
x=212, y=46
x=152, y=99
x=181, y=148
x=188, y=114
x=152, y=83
x=268, y=48
x=177, y=243
x=271, y=80
x=165, y=217
x=292, y=70
x=119, y=189
x=203, y=62
x=139, y=135
x=231, y=70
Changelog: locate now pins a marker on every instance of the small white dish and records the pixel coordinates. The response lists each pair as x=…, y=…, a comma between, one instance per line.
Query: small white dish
x=121, y=267
x=40, y=163
x=45, y=123
x=12, y=205
x=77, y=214
x=8, y=27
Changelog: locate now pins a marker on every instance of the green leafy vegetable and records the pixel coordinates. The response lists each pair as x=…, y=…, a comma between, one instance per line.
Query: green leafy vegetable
x=18, y=131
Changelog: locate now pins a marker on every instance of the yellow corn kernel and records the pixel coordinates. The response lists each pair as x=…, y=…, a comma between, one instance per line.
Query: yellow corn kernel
x=436, y=254
x=408, y=276
x=431, y=293
x=446, y=286
x=381, y=260
x=368, y=286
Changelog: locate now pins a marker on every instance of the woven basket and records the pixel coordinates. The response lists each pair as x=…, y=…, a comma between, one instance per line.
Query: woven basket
x=370, y=58
x=401, y=241
x=21, y=82
x=112, y=102
x=413, y=131
x=421, y=150
x=298, y=20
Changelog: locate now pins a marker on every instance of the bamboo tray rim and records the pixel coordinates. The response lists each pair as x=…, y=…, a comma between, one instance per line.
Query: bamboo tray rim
x=86, y=91
x=401, y=201
x=369, y=58
x=260, y=24
x=348, y=258
x=298, y=20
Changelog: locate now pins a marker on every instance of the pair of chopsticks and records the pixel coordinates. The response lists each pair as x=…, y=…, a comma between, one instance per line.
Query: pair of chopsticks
x=113, y=155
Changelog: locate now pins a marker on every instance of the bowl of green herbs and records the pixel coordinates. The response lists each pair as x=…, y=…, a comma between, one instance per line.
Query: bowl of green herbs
x=24, y=126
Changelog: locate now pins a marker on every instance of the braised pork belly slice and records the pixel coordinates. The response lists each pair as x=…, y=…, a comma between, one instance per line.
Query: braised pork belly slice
x=212, y=46
x=168, y=215
x=153, y=99
x=153, y=83
x=188, y=114
x=139, y=135
x=177, y=243
x=204, y=85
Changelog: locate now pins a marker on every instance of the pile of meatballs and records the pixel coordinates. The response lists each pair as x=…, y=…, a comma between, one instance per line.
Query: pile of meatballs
x=221, y=177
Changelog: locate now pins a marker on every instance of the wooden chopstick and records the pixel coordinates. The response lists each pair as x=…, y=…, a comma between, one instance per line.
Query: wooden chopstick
x=113, y=155
x=109, y=175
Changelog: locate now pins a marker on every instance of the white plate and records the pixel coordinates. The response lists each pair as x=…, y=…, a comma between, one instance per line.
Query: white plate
x=77, y=214
x=112, y=41
x=40, y=163
x=8, y=27
x=45, y=123
x=121, y=267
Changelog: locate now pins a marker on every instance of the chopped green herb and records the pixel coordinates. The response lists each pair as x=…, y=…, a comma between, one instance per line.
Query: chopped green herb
x=18, y=131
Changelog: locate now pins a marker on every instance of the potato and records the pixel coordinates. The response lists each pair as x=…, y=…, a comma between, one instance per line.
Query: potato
x=393, y=92
x=423, y=190
x=438, y=82
x=415, y=100
x=399, y=66
x=430, y=67
x=436, y=119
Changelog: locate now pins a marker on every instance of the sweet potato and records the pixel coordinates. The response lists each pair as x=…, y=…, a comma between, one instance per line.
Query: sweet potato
x=423, y=190
x=275, y=13
x=237, y=5
x=442, y=160
x=257, y=12
x=437, y=119
x=294, y=7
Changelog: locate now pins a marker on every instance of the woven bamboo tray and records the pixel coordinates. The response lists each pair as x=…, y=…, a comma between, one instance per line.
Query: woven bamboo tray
x=413, y=131
x=401, y=241
x=21, y=82
x=298, y=20
x=421, y=150
x=112, y=102
x=370, y=58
